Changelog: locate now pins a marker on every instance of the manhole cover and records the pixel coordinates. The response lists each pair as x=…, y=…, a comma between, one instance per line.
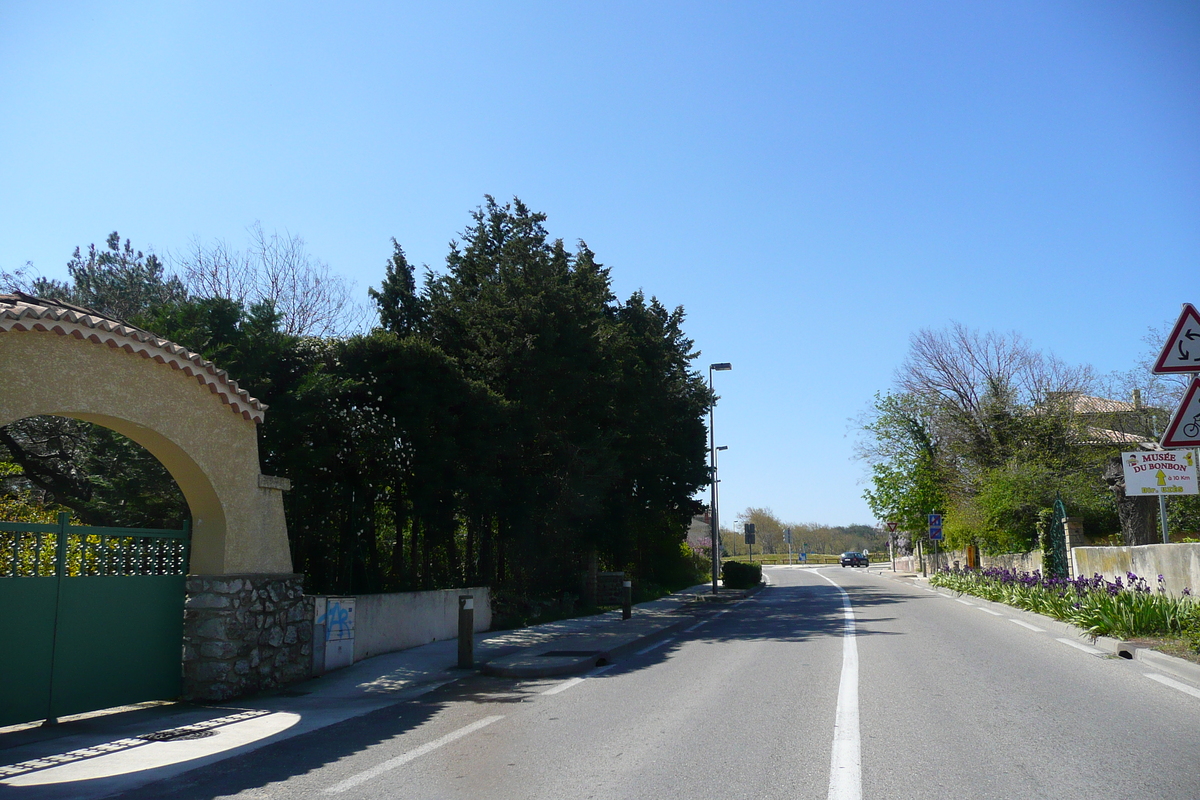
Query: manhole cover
x=569, y=654
x=177, y=734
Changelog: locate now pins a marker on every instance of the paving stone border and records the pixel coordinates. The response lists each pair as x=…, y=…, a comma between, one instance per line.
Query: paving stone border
x=245, y=633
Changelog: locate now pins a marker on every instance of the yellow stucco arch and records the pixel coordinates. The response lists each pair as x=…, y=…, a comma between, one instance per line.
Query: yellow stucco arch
x=68, y=361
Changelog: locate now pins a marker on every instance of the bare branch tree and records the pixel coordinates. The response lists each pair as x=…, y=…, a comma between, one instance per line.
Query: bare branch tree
x=310, y=298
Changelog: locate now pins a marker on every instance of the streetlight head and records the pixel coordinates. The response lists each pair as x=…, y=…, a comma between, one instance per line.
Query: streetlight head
x=724, y=365
x=723, y=447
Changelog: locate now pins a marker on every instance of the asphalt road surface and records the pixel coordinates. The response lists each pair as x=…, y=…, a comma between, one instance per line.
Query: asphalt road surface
x=830, y=683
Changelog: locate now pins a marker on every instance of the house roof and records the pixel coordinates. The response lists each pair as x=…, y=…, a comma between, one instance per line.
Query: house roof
x=23, y=312
x=1086, y=404
x=1105, y=436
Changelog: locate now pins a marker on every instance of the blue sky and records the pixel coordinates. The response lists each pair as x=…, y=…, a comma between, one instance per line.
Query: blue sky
x=813, y=182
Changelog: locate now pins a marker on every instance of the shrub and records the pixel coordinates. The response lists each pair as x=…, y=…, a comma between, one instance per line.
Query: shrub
x=737, y=575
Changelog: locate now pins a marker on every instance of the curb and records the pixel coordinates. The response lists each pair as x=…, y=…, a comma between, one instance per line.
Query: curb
x=583, y=651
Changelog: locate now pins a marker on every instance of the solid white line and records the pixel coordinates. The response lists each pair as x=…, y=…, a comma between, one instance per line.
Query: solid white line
x=1027, y=625
x=656, y=645
x=1085, y=648
x=964, y=602
x=1165, y=681
x=401, y=760
x=845, y=760
x=989, y=611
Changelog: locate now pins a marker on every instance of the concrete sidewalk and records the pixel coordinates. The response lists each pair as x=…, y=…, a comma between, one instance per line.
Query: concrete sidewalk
x=103, y=753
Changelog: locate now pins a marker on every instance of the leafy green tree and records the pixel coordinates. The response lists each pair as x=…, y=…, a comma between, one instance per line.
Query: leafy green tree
x=115, y=280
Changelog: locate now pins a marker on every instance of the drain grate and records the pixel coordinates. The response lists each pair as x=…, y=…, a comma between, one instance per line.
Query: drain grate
x=177, y=734
x=569, y=654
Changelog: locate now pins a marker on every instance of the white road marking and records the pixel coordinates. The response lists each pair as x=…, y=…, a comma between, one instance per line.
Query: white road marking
x=943, y=594
x=567, y=684
x=989, y=611
x=697, y=625
x=964, y=602
x=562, y=687
x=1165, y=681
x=1084, y=647
x=401, y=760
x=845, y=762
x=1024, y=624
x=654, y=646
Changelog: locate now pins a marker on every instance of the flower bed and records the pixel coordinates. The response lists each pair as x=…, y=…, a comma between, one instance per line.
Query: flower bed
x=1125, y=608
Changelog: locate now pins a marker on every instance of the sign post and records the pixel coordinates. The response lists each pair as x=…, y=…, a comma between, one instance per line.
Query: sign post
x=1172, y=471
x=787, y=537
x=891, y=526
x=935, y=535
x=750, y=539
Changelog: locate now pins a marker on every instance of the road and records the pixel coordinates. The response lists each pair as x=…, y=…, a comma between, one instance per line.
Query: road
x=909, y=694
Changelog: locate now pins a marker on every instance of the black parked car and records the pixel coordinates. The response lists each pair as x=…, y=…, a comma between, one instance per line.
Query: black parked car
x=853, y=559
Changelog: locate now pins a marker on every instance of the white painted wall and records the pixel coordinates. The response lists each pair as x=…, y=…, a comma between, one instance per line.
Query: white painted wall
x=1179, y=564
x=385, y=623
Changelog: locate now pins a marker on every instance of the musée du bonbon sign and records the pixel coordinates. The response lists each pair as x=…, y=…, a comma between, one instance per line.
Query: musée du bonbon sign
x=1160, y=472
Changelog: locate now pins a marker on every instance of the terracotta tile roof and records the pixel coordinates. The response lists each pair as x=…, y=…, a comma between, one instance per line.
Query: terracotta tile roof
x=23, y=312
x=1086, y=404
x=1105, y=436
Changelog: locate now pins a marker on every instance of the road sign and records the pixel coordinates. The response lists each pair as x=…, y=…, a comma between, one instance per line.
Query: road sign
x=787, y=535
x=935, y=527
x=1161, y=472
x=1181, y=353
x=1184, y=428
x=891, y=526
x=749, y=533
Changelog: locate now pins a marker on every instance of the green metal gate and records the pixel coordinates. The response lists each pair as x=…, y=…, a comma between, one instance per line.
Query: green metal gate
x=94, y=617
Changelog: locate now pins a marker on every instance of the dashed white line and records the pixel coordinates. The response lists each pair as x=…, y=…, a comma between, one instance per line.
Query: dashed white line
x=989, y=611
x=654, y=646
x=401, y=760
x=1174, y=684
x=697, y=625
x=964, y=602
x=567, y=684
x=562, y=687
x=1084, y=647
x=943, y=594
x=1024, y=624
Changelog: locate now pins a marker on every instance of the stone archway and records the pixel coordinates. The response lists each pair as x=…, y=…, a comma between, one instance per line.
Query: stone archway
x=247, y=623
x=68, y=361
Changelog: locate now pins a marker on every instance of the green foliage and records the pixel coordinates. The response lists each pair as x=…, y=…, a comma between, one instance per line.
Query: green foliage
x=1100, y=607
x=984, y=430
x=737, y=575
x=509, y=420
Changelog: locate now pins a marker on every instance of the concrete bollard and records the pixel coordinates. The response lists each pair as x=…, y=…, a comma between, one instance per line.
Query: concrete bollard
x=466, y=631
x=627, y=600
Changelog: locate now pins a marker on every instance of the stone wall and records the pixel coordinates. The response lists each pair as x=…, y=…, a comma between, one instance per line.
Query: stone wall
x=244, y=633
x=1179, y=564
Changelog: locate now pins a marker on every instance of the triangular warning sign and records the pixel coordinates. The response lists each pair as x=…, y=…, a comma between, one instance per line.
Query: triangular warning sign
x=1181, y=353
x=1184, y=428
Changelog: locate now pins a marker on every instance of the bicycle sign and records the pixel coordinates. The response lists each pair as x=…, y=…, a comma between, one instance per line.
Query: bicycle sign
x=1160, y=472
x=1184, y=428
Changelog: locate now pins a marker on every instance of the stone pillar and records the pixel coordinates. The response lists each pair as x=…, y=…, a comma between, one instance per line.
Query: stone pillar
x=1073, y=533
x=244, y=633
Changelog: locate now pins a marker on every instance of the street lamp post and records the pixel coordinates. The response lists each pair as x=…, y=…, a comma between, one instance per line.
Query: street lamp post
x=712, y=463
